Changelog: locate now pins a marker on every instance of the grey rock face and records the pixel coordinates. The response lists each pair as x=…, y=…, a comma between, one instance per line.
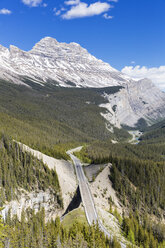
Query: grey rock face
x=32, y=200
x=66, y=64
x=70, y=65
x=137, y=100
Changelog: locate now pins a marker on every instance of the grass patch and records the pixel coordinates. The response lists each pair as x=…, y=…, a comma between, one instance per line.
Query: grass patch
x=75, y=215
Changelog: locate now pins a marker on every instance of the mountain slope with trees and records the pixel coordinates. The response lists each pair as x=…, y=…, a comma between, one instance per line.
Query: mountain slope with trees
x=20, y=170
x=54, y=119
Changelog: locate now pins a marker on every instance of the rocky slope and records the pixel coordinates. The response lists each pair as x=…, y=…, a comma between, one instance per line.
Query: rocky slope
x=70, y=65
x=59, y=63
x=37, y=200
x=102, y=190
x=137, y=100
x=65, y=172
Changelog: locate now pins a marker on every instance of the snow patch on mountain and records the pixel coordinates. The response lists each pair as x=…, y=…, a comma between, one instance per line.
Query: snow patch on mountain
x=59, y=63
x=70, y=65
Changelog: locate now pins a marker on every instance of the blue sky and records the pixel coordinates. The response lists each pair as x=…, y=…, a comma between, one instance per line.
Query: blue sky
x=128, y=34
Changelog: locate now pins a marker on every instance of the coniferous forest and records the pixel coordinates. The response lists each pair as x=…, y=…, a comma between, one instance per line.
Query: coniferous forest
x=19, y=169
x=33, y=231
x=42, y=119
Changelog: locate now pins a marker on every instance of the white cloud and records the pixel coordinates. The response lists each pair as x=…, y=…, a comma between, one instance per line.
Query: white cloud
x=72, y=2
x=45, y=5
x=63, y=9
x=84, y=10
x=56, y=12
x=156, y=74
x=106, y=16
x=32, y=3
x=5, y=11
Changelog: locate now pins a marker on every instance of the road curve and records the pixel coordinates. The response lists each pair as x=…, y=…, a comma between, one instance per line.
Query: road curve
x=86, y=195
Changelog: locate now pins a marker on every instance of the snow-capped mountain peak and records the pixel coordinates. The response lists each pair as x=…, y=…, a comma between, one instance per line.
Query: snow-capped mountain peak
x=65, y=64
x=70, y=65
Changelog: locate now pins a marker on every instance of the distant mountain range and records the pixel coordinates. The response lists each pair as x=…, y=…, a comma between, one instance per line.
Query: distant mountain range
x=69, y=65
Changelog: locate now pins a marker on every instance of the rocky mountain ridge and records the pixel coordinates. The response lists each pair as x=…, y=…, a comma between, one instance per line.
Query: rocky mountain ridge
x=69, y=65
x=136, y=101
x=59, y=63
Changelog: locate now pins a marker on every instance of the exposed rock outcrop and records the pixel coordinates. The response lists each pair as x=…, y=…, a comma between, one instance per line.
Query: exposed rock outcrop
x=58, y=63
x=39, y=199
x=70, y=65
x=138, y=100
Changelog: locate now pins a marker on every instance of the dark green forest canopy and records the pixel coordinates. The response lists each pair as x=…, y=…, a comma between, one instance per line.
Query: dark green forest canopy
x=137, y=173
x=20, y=170
x=155, y=134
x=53, y=119
x=33, y=231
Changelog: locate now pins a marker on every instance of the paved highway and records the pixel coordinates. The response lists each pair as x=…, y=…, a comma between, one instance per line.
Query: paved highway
x=86, y=196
